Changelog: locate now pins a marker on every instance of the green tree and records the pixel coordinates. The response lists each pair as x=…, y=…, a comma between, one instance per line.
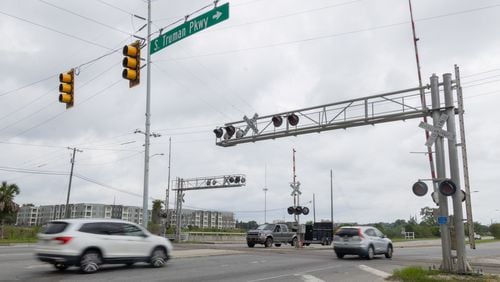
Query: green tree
x=495, y=230
x=8, y=208
x=155, y=216
x=428, y=216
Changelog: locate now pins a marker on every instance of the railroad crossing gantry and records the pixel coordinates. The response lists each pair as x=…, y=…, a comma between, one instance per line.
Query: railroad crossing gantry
x=387, y=107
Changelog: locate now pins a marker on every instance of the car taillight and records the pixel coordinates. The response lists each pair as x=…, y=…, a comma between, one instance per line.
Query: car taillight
x=360, y=234
x=63, y=239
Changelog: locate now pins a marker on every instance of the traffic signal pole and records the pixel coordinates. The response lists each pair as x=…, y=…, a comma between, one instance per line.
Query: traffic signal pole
x=148, y=124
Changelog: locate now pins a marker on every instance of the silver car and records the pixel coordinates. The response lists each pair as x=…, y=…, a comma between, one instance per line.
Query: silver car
x=364, y=241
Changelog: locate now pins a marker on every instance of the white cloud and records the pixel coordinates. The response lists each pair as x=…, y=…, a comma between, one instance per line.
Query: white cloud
x=268, y=57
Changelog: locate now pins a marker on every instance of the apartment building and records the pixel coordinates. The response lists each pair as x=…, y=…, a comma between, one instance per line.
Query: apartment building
x=29, y=215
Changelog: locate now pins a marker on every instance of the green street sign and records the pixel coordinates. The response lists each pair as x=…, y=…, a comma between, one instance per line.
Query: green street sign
x=191, y=27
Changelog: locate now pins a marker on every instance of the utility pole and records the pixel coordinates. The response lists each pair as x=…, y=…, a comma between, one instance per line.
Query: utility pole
x=265, y=194
x=314, y=209
x=265, y=204
x=66, y=211
x=167, y=196
x=148, y=124
x=178, y=209
x=331, y=198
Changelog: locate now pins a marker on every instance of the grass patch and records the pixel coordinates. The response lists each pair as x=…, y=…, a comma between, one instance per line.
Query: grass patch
x=419, y=274
x=486, y=241
x=18, y=241
x=416, y=239
x=413, y=274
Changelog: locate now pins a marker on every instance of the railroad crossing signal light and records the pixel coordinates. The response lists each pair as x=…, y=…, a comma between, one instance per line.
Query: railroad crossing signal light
x=305, y=210
x=420, y=188
x=447, y=187
x=230, y=130
x=293, y=119
x=277, y=121
x=132, y=63
x=218, y=132
x=67, y=88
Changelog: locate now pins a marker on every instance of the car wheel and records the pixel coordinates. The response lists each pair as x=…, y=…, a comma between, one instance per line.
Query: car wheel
x=339, y=255
x=269, y=242
x=388, y=254
x=158, y=257
x=90, y=261
x=61, y=266
x=370, y=253
x=295, y=241
x=277, y=245
x=250, y=245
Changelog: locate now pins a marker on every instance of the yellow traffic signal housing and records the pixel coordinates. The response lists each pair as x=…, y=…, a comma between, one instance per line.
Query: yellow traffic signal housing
x=132, y=63
x=67, y=88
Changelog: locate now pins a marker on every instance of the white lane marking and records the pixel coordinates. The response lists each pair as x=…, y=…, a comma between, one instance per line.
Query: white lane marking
x=296, y=274
x=377, y=272
x=310, y=278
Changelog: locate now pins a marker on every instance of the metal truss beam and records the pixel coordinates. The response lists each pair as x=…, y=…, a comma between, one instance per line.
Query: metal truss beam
x=213, y=182
x=370, y=110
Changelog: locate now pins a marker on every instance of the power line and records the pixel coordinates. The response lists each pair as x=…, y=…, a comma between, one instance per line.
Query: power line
x=286, y=15
x=61, y=113
x=27, y=85
x=116, y=8
x=325, y=36
x=56, y=31
x=86, y=18
x=199, y=97
x=88, y=179
x=47, y=105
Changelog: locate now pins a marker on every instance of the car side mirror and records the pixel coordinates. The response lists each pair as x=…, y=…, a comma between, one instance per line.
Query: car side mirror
x=383, y=236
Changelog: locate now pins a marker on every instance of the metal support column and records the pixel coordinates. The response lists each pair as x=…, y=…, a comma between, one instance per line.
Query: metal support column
x=468, y=203
x=441, y=173
x=455, y=175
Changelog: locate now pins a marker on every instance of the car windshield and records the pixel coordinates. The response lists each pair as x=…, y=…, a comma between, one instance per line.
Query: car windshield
x=54, y=227
x=266, y=227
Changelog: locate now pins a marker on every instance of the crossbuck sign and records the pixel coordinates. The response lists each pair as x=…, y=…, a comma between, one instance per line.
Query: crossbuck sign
x=436, y=130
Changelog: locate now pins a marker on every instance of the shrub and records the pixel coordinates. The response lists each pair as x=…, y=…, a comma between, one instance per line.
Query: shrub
x=495, y=230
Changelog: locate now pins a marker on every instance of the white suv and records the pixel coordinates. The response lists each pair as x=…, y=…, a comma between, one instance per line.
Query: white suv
x=88, y=243
x=364, y=241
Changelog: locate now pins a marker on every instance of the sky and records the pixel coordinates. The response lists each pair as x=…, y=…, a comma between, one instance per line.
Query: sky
x=268, y=57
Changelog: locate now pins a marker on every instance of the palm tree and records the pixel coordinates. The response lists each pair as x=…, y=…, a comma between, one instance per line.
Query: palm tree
x=7, y=205
x=157, y=205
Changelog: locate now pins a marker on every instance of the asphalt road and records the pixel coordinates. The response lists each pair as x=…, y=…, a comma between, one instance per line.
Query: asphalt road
x=234, y=262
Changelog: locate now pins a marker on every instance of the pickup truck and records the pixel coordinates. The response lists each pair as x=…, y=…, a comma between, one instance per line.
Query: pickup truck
x=267, y=234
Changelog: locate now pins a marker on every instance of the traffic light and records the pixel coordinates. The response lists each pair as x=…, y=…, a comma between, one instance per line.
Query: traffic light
x=132, y=63
x=67, y=88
